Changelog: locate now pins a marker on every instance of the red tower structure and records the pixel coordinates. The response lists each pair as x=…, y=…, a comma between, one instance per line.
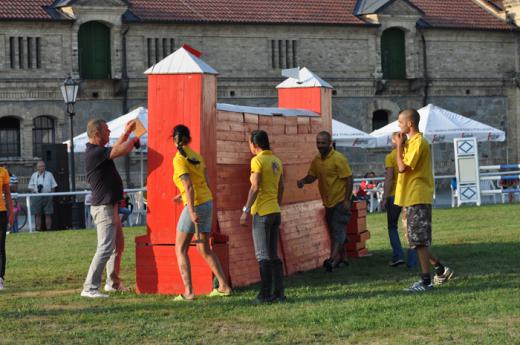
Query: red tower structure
x=181, y=90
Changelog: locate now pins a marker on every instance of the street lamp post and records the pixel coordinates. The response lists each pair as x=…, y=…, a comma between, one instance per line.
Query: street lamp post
x=69, y=90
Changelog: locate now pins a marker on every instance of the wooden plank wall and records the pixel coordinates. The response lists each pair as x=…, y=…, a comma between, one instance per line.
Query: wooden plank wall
x=293, y=140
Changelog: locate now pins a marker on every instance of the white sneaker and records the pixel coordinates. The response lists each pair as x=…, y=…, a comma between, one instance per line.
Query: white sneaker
x=443, y=278
x=93, y=294
x=120, y=288
x=1, y=283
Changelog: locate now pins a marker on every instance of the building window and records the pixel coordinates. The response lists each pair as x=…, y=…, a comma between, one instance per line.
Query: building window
x=9, y=137
x=43, y=133
x=20, y=52
x=12, y=52
x=379, y=119
x=158, y=48
x=393, y=54
x=38, y=53
x=284, y=54
x=24, y=52
x=94, y=51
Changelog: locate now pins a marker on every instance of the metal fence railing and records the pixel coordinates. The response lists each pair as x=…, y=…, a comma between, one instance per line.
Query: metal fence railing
x=138, y=201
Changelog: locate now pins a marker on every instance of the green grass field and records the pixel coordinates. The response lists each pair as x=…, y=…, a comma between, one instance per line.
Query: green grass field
x=361, y=304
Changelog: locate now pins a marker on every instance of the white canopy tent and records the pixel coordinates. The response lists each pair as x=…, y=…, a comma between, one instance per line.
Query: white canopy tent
x=117, y=127
x=346, y=136
x=439, y=125
x=442, y=126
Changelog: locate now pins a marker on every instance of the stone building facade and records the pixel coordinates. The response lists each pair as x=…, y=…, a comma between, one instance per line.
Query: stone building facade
x=380, y=55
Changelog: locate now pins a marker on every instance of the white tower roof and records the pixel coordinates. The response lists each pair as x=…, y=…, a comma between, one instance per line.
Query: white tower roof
x=306, y=79
x=181, y=62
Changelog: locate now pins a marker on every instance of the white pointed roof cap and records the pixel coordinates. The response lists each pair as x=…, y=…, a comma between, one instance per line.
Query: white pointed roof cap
x=306, y=79
x=181, y=62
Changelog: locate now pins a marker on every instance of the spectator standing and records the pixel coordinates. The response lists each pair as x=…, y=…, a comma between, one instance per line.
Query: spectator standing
x=42, y=181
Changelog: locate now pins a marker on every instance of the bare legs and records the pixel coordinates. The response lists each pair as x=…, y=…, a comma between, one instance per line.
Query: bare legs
x=182, y=245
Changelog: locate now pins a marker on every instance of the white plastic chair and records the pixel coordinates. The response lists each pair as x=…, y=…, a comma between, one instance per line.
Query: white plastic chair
x=487, y=189
x=453, y=196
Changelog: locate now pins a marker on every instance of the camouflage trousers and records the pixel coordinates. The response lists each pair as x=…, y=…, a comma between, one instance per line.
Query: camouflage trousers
x=419, y=225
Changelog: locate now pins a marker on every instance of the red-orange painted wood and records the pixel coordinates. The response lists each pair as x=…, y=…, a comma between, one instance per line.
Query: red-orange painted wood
x=157, y=271
x=357, y=225
x=362, y=237
x=357, y=254
x=308, y=98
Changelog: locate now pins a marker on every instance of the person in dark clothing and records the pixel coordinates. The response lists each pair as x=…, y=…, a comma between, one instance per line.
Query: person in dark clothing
x=107, y=191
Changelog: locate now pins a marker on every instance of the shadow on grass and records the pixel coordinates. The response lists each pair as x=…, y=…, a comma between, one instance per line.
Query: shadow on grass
x=466, y=260
x=478, y=267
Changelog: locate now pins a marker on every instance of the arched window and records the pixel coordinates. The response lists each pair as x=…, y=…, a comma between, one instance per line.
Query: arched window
x=9, y=137
x=94, y=51
x=393, y=54
x=44, y=132
x=379, y=119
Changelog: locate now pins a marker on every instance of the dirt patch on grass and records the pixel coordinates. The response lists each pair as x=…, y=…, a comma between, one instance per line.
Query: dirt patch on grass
x=44, y=293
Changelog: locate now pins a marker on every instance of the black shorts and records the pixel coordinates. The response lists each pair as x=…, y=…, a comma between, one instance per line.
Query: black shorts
x=419, y=225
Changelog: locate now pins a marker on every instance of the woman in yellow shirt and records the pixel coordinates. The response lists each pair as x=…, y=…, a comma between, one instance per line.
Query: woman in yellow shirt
x=263, y=202
x=189, y=175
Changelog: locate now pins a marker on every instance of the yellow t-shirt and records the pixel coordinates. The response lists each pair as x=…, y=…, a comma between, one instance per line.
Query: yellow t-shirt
x=4, y=180
x=197, y=173
x=415, y=186
x=270, y=168
x=391, y=163
x=331, y=173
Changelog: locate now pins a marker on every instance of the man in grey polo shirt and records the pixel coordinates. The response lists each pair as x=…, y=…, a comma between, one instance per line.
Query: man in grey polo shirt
x=107, y=191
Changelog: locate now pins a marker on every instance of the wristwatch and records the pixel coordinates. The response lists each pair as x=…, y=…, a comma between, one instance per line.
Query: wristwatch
x=246, y=210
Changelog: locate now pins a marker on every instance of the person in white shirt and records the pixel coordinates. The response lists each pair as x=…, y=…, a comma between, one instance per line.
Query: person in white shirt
x=42, y=181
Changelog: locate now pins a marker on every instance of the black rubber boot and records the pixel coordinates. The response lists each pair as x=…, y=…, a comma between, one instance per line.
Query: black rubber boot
x=279, y=291
x=266, y=276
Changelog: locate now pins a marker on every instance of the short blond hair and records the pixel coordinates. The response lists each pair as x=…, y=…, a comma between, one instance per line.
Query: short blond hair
x=94, y=126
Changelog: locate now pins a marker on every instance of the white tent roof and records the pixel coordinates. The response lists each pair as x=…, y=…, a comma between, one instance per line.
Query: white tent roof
x=181, y=62
x=347, y=136
x=116, y=126
x=442, y=126
x=306, y=79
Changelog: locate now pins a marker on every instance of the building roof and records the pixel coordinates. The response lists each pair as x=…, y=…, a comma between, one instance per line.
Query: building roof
x=499, y=4
x=463, y=14
x=25, y=9
x=437, y=13
x=373, y=6
x=248, y=11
